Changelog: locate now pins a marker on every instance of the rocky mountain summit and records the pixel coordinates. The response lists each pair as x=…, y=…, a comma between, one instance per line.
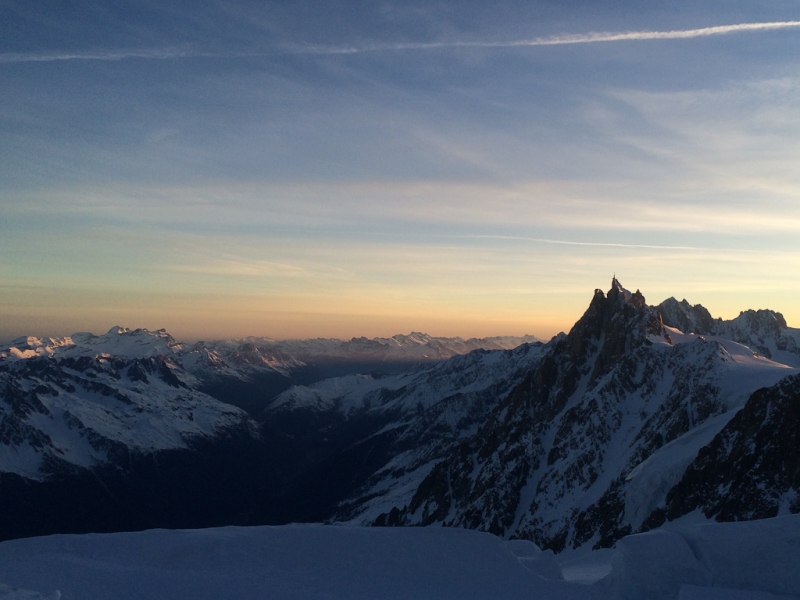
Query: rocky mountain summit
x=583, y=449
x=765, y=331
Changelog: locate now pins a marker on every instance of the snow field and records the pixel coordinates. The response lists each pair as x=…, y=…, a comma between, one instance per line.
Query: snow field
x=756, y=560
x=745, y=560
x=291, y=562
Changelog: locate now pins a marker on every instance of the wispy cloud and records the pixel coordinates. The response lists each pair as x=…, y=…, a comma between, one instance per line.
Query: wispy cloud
x=111, y=56
x=721, y=205
x=593, y=244
x=558, y=40
x=239, y=266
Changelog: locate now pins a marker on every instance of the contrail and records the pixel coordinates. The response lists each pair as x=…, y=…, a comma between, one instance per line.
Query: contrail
x=581, y=38
x=111, y=56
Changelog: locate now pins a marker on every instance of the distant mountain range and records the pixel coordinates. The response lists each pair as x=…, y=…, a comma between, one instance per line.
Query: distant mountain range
x=639, y=417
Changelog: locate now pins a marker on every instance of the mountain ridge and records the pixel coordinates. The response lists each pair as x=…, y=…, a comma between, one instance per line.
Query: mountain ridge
x=557, y=451
x=572, y=444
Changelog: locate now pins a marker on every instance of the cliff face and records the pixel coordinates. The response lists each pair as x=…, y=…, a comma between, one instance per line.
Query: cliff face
x=687, y=318
x=751, y=469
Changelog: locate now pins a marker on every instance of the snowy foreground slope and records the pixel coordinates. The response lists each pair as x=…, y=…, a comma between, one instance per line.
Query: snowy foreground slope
x=732, y=561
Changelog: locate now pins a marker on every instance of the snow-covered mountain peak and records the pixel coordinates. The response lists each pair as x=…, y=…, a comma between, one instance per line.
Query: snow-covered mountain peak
x=237, y=357
x=687, y=318
x=125, y=342
x=763, y=319
x=81, y=401
x=764, y=331
x=412, y=339
x=119, y=342
x=25, y=342
x=29, y=346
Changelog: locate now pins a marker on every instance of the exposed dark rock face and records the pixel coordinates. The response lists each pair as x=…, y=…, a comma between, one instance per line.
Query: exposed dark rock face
x=765, y=331
x=435, y=409
x=751, y=469
x=687, y=318
x=550, y=462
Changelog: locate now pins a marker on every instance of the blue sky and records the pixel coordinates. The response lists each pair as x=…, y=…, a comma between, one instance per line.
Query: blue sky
x=343, y=168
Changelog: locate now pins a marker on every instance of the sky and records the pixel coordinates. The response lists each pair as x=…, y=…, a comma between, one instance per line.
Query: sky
x=344, y=168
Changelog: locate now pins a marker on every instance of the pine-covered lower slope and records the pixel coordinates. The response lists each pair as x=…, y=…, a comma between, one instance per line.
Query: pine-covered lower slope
x=556, y=457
